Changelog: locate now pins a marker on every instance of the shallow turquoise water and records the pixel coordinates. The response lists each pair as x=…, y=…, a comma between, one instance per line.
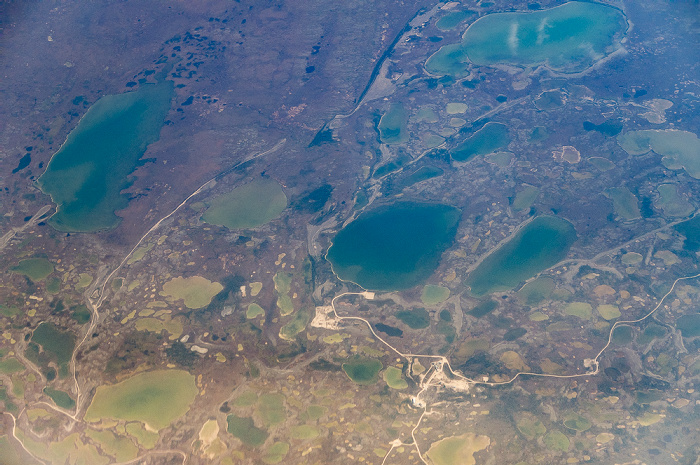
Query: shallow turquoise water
x=540, y=244
x=394, y=247
x=568, y=38
x=492, y=137
x=85, y=177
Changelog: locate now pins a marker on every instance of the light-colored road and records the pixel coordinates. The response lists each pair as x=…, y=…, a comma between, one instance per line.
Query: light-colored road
x=435, y=376
x=97, y=291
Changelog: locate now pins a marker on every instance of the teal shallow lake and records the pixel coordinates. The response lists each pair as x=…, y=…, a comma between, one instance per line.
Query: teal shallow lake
x=85, y=177
x=394, y=247
x=537, y=246
x=568, y=38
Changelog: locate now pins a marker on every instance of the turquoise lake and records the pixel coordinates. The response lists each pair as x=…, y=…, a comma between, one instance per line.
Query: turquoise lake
x=395, y=246
x=539, y=245
x=568, y=38
x=86, y=176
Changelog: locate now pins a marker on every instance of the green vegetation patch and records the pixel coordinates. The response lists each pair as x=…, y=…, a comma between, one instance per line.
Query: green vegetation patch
x=9, y=312
x=581, y=310
x=8, y=454
x=550, y=99
x=363, y=371
x=625, y=203
x=525, y=198
x=647, y=397
x=195, y=291
x=147, y=439
x=86, y=176
x=601, y=164
x=631, y=258
x=556, y=440
x=36, y=269
x=623, y=335
x=457, y=450
x=416, y=318
x=501, y=159
x=83, y=281
x=536, y=291
x=394, y=378
x=609, y=312
x=275, y=453
x=483, y=308
x=70, y=450
x=530, y=426
x=283, y=284
x=672, y=203
x=433, y=295
x=57, y=345
x=569, y=39
x=10, y=366
x=689, y=325
x=244, y=429
x=248, y=206
x=651, y=332
x=140, y=253
x=271, y=409
x=156, y=398
x=297, y=324
x=678, y=149
x=576, y=422
x=60, y=398
x=490, y=138
x=539, y=245
x=303, y=432
x=155, y=325
x=81, y=314
x=393, y=125
x=395, y=246
x=314, y=412
x=121, y=448
x=254, y=311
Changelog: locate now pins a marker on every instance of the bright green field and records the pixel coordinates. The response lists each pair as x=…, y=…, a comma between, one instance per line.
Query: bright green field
x=671, y=202
x=156, y=398
x=569, y=38
x=195, y=291
x=625, y=203
x=395, y=246
x=457, y=450
x=254, y=311
x=297, y=324
x=537, y=246
x=86, y=176
x=433, y=295
x=36, y=269
x=248, y=206
x=394, y=378
x=525, y=198
x=678, y=149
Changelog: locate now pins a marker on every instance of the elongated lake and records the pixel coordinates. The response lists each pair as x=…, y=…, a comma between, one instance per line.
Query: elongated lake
x=86, y=176
x=537, y=246
x=568, y=38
